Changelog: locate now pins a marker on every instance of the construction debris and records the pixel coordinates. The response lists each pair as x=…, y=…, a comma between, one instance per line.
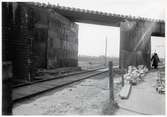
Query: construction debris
x=125, y=91
x=132, y=77
x=160, y=84
x=135, y=74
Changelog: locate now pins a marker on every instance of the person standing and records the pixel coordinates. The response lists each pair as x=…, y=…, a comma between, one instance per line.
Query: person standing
x=155, y=60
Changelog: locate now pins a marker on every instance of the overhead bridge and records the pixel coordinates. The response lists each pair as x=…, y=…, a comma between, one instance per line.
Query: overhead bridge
x=46, y=36
x=104, y=18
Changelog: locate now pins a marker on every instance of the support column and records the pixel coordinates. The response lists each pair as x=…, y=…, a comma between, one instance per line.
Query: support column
x=135, y=45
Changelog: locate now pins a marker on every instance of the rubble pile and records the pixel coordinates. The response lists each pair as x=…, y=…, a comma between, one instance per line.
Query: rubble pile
x=160, y=84
x=135, y=74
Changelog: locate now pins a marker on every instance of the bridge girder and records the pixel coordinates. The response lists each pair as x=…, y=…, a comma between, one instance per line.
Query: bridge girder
x=101, y=18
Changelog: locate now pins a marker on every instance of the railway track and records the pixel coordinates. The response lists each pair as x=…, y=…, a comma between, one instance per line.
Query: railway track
x=55, y=77
x=30, y=90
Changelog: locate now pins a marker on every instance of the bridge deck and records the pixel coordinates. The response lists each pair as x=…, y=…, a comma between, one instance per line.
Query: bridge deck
x=101, y=18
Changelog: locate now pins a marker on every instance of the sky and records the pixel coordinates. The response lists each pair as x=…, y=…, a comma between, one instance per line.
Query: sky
x=158, y=46
x=92, y=40
x=92, y=37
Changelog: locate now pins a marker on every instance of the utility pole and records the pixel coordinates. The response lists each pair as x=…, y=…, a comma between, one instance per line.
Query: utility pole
x=106, y=52
x=111, y=82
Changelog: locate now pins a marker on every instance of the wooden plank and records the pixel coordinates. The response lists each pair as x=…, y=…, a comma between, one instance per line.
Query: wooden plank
x=27, y=90
x=44, y=85
x=125, y=91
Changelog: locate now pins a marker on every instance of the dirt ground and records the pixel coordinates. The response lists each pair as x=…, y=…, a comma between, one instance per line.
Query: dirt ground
x=89, y=97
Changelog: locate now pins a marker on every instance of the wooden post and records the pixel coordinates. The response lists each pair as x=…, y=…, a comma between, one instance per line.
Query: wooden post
x=6, y=89
x=111, y=83
x=122, y=79
x=122, y=76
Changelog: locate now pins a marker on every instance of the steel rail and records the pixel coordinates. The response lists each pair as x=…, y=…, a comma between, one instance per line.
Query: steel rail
x=58, y=86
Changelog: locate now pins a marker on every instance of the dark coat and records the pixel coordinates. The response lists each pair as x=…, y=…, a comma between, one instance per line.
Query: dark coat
x=155, y=60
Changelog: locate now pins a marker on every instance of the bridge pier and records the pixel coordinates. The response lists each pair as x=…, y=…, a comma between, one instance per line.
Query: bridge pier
x=135, y=43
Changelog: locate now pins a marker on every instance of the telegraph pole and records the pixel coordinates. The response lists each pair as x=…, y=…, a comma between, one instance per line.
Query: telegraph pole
x=106, y=52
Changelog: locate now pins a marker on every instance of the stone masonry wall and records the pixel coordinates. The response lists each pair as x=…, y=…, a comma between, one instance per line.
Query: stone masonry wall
x=37, y=38
x=135, y=46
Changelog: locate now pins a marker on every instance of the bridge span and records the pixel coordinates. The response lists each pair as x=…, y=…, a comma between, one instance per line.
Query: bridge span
x=46, y=36
x=135, y=32
x=104, y=18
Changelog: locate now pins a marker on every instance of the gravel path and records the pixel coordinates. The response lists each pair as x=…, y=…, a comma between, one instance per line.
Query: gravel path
x=89, y=97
